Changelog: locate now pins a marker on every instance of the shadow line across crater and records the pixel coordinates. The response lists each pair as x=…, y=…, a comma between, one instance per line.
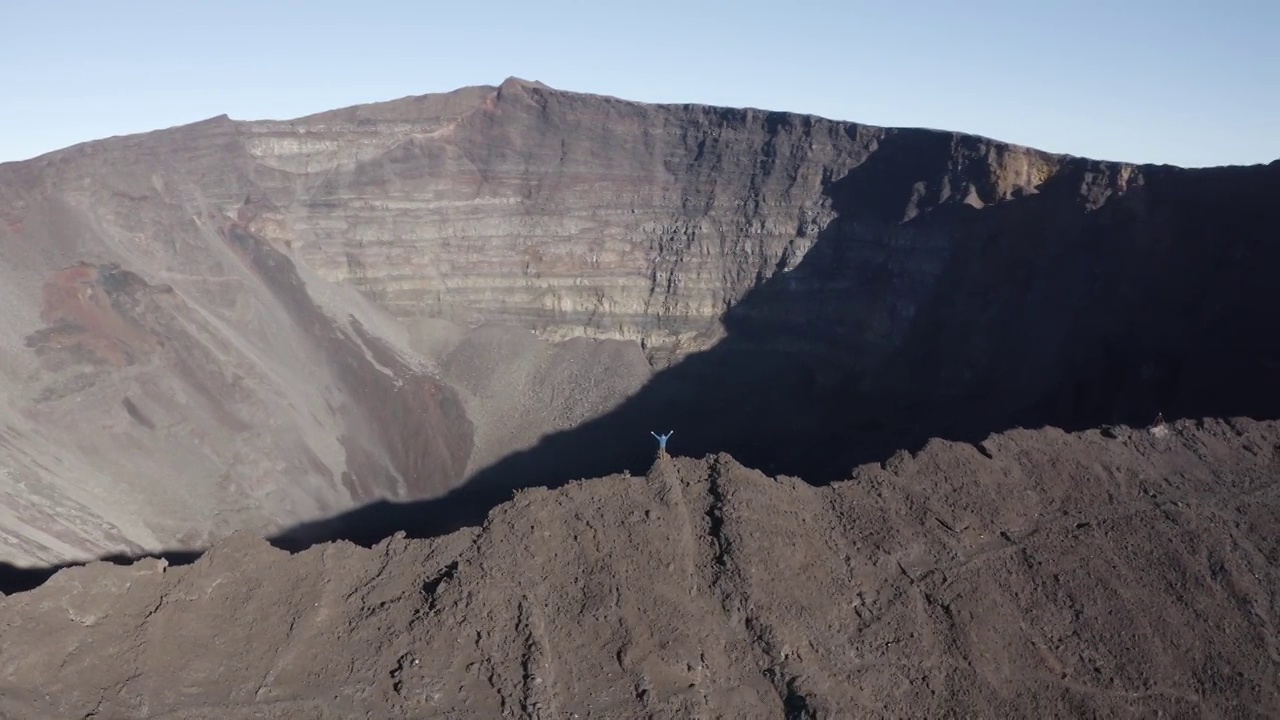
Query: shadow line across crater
x=917, y=316
x=1050, y=309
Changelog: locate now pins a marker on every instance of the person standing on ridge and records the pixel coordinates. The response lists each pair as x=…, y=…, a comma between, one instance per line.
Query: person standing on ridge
x=662, y=442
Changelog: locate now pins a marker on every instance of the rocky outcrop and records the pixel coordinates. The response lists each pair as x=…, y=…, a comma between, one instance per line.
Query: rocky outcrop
x=1043, y=574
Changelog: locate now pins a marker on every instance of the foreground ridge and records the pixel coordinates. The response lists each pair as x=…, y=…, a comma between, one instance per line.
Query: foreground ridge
x=1124, y=572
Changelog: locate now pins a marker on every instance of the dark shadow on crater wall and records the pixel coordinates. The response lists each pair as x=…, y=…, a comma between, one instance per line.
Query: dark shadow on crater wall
x=14, y=579
x=957, y=322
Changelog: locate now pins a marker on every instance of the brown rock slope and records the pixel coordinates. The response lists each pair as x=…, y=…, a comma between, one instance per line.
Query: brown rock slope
x=255, y=324
x=1132, y=573
x=144, y=420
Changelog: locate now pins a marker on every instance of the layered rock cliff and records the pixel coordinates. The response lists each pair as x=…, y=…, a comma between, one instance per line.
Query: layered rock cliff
x=585, y=215
x=252, y=324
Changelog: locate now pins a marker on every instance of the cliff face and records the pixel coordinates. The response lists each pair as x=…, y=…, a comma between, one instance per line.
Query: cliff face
x=570, y=214
x=1060, y=288
x=251, y=324
x=584, y=215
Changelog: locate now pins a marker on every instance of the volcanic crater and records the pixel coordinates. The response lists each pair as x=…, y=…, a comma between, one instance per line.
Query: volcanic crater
x=910, y=373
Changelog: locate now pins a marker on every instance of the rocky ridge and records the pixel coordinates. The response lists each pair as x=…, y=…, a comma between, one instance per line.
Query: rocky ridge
x=1126, y=573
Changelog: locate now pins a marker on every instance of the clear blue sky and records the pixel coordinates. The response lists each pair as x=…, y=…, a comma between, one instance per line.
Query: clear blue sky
x=1179, y=81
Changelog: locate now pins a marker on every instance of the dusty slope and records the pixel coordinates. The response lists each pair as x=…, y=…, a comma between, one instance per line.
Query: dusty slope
x=1124, y=573
x=139, y=415
x=518, y=387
